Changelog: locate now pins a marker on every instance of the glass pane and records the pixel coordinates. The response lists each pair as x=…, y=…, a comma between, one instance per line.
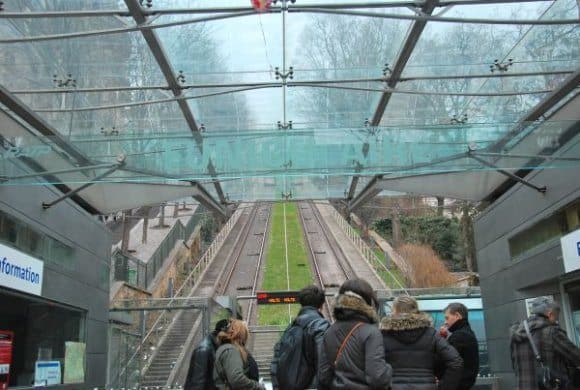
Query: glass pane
x=331, y=108
x=328, y=47
x=236, y=52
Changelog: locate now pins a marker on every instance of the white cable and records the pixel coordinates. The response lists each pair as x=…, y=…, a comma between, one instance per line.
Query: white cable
x=287, y=264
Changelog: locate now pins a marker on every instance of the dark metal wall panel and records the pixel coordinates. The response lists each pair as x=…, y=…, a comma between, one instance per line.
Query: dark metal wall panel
x=84, y=283
x=506, y=283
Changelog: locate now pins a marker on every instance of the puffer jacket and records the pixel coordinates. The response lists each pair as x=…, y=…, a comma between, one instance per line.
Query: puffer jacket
x=362, y=364
x=200, y=374
x=556, y=350
x=230, y=371
x=416, y=352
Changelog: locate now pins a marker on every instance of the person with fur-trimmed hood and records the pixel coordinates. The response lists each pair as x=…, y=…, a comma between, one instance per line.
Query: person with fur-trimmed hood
x=353, y=356
x=417, y=353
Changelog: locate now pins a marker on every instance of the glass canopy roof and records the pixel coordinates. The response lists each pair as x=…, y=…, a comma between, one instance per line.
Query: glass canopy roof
x=292, y=102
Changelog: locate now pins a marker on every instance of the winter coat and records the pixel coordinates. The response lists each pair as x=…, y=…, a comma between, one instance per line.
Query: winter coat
x=464, y=341
x=315, y=326
x=230, y=371
x=362, y=364
x=416, y=351
x=200, y=373
x=556, y=350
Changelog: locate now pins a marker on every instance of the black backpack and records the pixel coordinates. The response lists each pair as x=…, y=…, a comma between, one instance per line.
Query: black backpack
x=296, y=372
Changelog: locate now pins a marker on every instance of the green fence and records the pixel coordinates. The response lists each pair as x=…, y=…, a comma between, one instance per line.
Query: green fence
x=140, y=273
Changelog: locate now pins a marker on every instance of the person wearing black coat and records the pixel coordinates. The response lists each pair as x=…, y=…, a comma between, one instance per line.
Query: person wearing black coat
x=200, y=373
x=416, y=351
x=464, y=341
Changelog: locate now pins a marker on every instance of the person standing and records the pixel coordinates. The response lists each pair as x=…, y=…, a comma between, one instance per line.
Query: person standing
x=231, y=369
x=557, y=352
x=296, y=356
x=416, y=351
x=353, y=356
x=464, y=341
x=200, y=373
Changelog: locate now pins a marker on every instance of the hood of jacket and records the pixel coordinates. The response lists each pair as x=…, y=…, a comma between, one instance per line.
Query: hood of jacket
x=407, y=328
x=536, y=322
x=351, y=306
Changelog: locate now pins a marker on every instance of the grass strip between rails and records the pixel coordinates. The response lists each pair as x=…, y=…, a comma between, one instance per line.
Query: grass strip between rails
x=275, y=262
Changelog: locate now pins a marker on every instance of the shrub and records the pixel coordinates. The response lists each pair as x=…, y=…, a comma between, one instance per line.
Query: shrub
x=427, y=268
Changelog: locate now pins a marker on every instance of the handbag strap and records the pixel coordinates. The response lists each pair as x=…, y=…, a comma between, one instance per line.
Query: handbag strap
x=348, y=336
x=532, y=343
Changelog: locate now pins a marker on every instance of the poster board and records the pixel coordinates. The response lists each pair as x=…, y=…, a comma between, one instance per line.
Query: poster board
x=74, y=362
x=47, y=372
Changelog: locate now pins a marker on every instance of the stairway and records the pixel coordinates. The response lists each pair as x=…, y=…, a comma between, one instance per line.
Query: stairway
x=263, y=341
x=158, y=371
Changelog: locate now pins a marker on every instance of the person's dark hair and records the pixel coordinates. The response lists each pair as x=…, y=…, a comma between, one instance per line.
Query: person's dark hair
x=360, y=287
x=221, y=326
x=458, y=308
x=311, y=296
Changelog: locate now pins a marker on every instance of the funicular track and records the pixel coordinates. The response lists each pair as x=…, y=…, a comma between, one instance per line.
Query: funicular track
x=325, y=254
x=229, y=270
x=244, y=274
x=331, y=264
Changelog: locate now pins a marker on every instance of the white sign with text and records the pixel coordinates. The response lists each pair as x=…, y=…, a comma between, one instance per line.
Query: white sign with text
x=20, y=271
x=571, y=251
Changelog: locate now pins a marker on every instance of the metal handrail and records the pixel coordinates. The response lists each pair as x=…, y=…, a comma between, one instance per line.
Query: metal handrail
x=362, y=246
x=192, y=279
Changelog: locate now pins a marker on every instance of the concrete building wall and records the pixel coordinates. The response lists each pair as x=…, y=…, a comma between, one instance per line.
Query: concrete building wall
x=507, y=282
x=83, y=282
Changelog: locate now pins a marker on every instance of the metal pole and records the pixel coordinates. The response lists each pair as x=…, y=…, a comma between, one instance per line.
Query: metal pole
x=508, y=174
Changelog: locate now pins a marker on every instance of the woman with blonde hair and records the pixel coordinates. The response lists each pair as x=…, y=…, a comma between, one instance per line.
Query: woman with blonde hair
x=231, y=367
x=416, y=351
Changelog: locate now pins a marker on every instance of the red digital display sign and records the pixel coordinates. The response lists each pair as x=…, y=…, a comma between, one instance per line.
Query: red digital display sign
x=6, y=341
x=277, y=297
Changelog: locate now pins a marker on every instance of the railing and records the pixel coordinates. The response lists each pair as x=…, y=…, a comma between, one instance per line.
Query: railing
x=178, y=232
x=435, y=292
x=161, y=325
x=139, y=273
x=369, y=255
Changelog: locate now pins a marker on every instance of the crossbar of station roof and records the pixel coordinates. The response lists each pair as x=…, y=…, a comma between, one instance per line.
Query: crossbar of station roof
x=289, y=83
x=417, y=18
x=216, y=10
